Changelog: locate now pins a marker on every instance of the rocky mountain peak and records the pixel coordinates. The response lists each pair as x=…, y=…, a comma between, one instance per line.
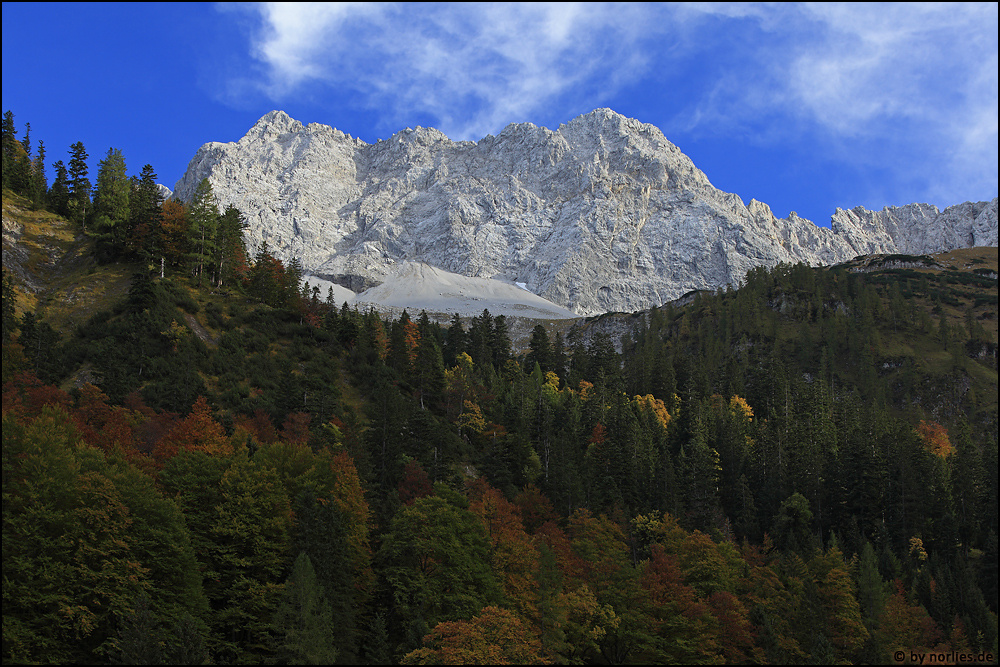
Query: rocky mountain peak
x=602, y=214
x=275, y=123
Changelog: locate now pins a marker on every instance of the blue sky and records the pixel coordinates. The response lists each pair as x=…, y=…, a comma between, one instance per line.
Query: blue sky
x=804, y=107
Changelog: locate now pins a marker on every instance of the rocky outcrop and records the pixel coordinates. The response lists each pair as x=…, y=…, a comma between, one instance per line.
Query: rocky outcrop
x=603, y=214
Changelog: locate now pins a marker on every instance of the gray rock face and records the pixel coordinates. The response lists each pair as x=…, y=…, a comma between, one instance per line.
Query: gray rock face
x=604, y=214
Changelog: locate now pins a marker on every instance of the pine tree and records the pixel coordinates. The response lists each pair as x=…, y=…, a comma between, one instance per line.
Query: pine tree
x=187, y=643
x=251, y=534
x=10, y=323
x=872, y=593
x=428, y=375
x=559, y=356
x=500, y=341
x=455, y=341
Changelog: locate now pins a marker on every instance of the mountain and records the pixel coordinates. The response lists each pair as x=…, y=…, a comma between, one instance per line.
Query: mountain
x=603, y=214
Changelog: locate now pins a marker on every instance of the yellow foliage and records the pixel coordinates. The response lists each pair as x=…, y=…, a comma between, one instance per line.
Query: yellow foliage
x=917, y=551
x=656, y=406
x=175, y=333
x=552, y=381
x=472, y=418
x=739, y=406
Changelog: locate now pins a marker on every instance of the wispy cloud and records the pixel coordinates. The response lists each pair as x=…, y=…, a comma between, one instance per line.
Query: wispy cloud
x=921, y=79
x=472, y=68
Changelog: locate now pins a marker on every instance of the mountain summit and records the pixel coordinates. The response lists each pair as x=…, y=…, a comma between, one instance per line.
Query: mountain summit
x=603, y=214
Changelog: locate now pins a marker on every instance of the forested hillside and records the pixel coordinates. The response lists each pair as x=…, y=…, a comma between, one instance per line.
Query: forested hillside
x=220, y=466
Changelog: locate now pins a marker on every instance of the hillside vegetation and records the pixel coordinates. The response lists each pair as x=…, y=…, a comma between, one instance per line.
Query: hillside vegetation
x=237, y=470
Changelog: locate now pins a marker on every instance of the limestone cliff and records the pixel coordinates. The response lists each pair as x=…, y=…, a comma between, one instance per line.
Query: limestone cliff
x=603, y=214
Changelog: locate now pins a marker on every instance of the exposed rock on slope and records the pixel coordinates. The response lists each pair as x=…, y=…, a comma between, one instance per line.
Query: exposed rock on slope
x=603, y=214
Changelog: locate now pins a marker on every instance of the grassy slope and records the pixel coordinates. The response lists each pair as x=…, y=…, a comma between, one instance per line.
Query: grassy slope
x=56, y=275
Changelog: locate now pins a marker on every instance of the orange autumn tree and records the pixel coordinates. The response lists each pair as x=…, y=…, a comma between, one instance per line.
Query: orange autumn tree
x=411, y=342
x=513, y=557
x=100, y=424
x=935, y=438
x=905, y=626
x=197, y=432
x=493, y=637
x=683, y=628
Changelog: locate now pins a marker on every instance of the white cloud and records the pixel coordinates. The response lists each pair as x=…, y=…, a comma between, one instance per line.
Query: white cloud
x=881, y=82
x=921, y=79
x=474, y=68
x=293, y=37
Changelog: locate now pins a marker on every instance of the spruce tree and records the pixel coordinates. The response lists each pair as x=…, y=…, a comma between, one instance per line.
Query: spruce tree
x=144, y=236
x=304, y=620
x=39, y=184
x=140, y=635
x=111, y=203
x=59, y=193
x=540, y=350
x=79, y=200
x=16, y=157
x=7, y=142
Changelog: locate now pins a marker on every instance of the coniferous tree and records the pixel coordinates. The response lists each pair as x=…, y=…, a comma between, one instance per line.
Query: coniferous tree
x=59, y=194
x=251, y=530
x=8, y=140
x=186, y=645
x=455, y=341
x=144, y=237
x=500, y=341
x=16, y=157
x=111, y=204
x=10, y=324
x=23, y=165
x=79, y=201
x=540, y=350
x=428, y=372
x=231, y=250
x=139, y=635
x=204, y=220
x=304, y=620
x=26, y=142
x=559, y=356
x=39, y=184
x=478, y=341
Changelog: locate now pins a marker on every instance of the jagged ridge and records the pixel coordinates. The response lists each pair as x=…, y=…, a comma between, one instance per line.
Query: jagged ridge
x=603, y=214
